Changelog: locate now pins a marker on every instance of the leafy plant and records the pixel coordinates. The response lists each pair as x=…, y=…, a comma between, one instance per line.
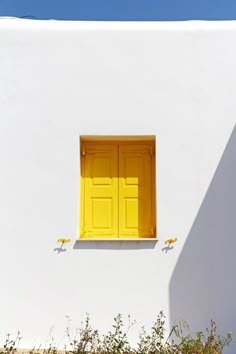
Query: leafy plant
x=116, y=341
x=211, y=343
x=87, y=340
x=153, y=342
x=184, y=343
x=11, y=345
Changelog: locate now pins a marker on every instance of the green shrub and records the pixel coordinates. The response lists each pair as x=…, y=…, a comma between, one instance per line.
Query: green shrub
x=87, y=340
x=10, y=344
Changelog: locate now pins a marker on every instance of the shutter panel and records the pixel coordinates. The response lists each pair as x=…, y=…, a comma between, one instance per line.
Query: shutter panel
x=135, y=191
x=100, y=190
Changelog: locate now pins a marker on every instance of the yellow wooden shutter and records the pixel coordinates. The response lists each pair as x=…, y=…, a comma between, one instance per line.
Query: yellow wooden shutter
x=100, y=178
x=135, y=191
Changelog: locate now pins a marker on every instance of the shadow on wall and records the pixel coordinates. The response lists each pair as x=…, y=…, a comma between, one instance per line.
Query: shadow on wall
x=203, y=284
x=115, y=245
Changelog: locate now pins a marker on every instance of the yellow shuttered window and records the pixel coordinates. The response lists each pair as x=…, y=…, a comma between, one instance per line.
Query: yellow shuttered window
x=117, y=189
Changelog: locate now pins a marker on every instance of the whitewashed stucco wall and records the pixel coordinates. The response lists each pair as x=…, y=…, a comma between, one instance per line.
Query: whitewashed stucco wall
x=59, y=80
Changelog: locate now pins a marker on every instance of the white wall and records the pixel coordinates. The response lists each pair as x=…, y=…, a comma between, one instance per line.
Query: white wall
x=59, y=80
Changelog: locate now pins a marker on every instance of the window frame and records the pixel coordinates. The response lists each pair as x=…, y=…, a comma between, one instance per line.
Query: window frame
x=123, y=140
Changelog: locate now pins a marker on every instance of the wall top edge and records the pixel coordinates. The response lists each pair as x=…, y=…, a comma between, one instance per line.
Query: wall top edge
x=14, y=22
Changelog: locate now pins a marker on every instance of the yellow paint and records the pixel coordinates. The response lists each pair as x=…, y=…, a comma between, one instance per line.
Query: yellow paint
x=100, y=185
x=170, y=241
x=118, y=138
x=117, y=189
x=63, y=240
x=135, y=191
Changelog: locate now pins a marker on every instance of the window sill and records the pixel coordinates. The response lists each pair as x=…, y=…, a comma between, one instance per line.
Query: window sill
x=151, y=239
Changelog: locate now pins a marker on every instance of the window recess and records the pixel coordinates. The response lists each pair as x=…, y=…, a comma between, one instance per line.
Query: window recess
x=117, y=188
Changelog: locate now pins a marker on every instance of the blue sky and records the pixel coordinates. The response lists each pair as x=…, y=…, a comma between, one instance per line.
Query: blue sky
x=123, y=10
